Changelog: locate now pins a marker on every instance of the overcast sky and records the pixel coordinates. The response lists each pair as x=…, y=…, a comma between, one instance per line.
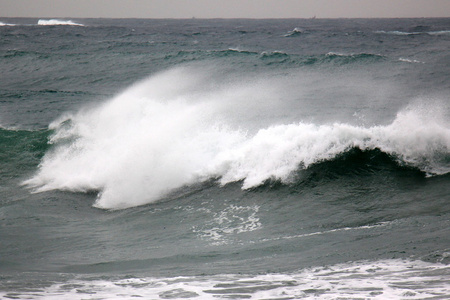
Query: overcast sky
x=224, y=8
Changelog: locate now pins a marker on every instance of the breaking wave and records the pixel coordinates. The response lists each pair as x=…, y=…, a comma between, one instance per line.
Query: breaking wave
x=295, y=32
x=53, y=22
x=156, y=137
x=396, y=32
x=6, y=24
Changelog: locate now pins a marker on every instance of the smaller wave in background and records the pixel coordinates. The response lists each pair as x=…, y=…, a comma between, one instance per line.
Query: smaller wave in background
x=396, y=32
x=7, y=24
x=50, y=22
x=330, y=58
x=279, y=57
x=295, y=32
x=54, y=22
x=407, y=60
x=353, y=57
x=441, y=32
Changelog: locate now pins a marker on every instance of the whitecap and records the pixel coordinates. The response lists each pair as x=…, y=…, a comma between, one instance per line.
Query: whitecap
x=54, y=22
x=7, y=24
x=415, y=61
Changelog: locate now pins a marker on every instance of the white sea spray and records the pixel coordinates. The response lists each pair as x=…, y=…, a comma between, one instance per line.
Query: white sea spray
x=156, y=137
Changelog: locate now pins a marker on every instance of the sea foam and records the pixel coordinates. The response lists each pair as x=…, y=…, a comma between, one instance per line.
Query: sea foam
x=382, y=279
x=53, y=22
x=158, y=136
x=6, y=24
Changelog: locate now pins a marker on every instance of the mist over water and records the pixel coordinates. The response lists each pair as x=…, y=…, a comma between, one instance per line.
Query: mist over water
x=189, y=124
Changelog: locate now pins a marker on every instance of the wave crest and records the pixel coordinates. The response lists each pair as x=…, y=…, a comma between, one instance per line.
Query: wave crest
x=156, y=137
x=295, y=32
x=403, y=33
x=6, y=24
x=54, y=22
x=276, y=152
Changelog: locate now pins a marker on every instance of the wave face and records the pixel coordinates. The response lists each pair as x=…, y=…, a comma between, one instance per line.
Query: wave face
x=157, y=136
x=54, y=22
x=20, y=150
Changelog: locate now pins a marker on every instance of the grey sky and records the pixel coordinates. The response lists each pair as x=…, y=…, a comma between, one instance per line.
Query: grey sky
x=224, y=8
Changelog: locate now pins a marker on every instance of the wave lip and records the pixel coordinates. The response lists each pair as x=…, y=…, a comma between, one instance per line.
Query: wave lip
x=54, y=22
x=397, y=32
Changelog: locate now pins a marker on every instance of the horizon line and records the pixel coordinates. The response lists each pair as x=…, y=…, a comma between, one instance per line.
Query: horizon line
x=222, y=18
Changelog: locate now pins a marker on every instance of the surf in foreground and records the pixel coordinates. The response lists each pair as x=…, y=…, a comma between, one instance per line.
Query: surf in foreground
x=386, y=279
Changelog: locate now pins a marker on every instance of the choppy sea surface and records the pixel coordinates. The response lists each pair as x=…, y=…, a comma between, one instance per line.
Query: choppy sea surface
x=224, y=159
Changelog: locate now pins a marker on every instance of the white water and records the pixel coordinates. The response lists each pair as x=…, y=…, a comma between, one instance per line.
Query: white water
x=50, y=22
x=6, y=24
x=53, y=22
x=182, y=126
x=385, y=279
x=441, y=32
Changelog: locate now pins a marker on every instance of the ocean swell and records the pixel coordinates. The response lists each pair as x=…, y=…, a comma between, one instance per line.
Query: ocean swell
x=156, y=137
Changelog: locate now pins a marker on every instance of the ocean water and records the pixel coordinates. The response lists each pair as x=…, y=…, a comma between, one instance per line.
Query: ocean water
x=224, y=159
